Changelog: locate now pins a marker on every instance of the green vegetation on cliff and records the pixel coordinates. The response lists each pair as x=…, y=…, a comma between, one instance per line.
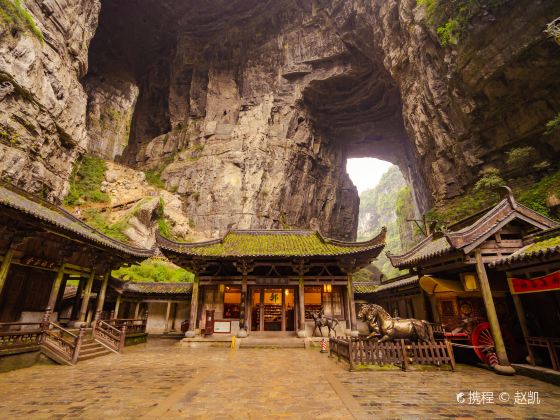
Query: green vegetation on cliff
x=154, y=270
x=533, y=195
x=15, y=16
x=450, y=18
x=85, y=182
x=100, y=222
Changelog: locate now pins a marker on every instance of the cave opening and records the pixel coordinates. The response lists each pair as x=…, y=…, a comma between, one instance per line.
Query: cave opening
x=167, y=80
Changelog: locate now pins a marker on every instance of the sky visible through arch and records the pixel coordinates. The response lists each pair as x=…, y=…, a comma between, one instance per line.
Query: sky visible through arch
x=365, y=173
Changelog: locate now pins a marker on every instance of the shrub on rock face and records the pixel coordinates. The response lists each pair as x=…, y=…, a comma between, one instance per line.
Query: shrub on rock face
x=491, y=180
x=85, y=182
x=521, y=157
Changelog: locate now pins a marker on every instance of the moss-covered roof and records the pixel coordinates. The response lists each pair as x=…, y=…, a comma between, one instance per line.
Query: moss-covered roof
x=364, y=288
x=273, y=243
x=32, y=207
x=130, y=288
x=464, y=237
x=546, y=245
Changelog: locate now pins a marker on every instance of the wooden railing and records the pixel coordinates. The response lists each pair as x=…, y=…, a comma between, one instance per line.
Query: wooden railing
x=18, y=335
x=110, y=336
x=551, y=344
x=361, y=351
x=47, y=334
x=60, y=341
x=133, y=326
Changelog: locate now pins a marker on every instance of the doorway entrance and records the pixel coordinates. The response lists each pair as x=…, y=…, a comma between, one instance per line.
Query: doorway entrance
x=272, y=309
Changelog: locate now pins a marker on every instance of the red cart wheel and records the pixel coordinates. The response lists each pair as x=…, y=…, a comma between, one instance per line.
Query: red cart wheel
x=483, y=342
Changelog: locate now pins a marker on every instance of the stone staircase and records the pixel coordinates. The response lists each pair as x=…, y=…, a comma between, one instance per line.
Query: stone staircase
x=91, y=349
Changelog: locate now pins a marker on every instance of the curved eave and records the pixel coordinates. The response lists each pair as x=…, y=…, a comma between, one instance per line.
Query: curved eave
x=88, y=234
x=368, y=250
x=414, y=262
x=528, y=258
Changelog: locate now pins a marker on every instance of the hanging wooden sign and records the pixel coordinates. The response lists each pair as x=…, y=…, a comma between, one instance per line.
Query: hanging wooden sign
x=538, y=284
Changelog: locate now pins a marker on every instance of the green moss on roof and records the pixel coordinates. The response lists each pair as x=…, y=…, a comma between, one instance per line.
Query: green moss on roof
x=302, y=243
x=542, y=245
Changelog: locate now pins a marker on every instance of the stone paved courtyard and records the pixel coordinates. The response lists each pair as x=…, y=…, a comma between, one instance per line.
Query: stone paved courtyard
x=160, y=380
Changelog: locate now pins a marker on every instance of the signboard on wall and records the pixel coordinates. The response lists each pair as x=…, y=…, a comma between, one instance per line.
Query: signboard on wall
x=222, y=326
x=538, y=284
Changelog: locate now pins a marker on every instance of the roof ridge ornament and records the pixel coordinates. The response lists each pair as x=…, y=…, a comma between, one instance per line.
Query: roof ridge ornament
x=507, y=193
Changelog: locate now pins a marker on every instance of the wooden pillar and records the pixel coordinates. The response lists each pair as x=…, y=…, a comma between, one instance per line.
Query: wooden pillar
x=194, y=309
x=350, y=291
x=523, y=323
x=347, y=315
x=492, y=315
x=283, y=319
x=55, y=288
x=77, y=299
x=244, y=267
x=243, y=305
x=433, y=305
x=102, y=292
x=117, y=306
x=261, y=309
x=174, y=317
x=5, y=267
x=166, y=330
x=301, y=307
x=137, y=310
x=87, y=293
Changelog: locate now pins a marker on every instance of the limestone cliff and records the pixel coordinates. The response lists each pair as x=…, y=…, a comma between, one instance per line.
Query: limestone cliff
x=42, y=102
x=249, y=108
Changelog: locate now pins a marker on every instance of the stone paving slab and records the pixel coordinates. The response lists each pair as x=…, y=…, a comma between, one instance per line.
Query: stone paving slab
x=164, y=380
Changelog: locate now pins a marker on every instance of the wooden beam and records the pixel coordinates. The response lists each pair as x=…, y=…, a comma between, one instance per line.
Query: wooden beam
x=353, y=320
x=102, y=292
x=167, y=313
x=492, y=315
x=117, y=306
x=87, y=294
x=194, y=309
x=301, y=307
x=5, y=267
x=55, y=288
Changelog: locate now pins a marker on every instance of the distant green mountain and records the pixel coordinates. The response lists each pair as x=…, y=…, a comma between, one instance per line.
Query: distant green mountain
x=378, y=207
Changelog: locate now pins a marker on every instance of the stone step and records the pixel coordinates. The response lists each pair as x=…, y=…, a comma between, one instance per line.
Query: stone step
x=92, y=349
x=267, y=343
x=93, y=355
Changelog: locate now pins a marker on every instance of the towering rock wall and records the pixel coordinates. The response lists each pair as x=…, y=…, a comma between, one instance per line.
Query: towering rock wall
x=250, y=108
x=42, y=103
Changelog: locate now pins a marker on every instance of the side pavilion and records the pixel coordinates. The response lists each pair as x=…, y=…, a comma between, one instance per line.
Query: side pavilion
x=42, y=247
x=455, y=267
x=271, y=280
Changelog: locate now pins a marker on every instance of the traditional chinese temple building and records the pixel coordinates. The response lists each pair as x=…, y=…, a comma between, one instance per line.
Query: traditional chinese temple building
x=42, y=247
x=271, y=280
x=455, y=270
x=167, y=305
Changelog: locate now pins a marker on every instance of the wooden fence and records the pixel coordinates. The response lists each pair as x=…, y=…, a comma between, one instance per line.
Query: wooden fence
x=360, y=351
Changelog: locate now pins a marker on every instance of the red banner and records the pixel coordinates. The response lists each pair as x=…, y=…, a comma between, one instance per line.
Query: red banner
x=538, y=284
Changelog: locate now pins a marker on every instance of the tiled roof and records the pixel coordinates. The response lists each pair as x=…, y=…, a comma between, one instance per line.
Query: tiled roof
x=398, y=283
x=134, y=288
x=465, y=238
x=364, y=288
x=545, y=247
x=43, y=211
x=273, y=243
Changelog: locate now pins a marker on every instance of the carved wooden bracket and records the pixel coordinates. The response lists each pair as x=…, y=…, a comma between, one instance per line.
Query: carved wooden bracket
x=244, y=266
x=196, y=266
x=300, y=266
x=348, y=265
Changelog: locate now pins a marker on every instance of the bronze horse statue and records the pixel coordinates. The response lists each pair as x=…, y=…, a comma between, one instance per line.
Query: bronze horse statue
x=381, y=323
x=322, y=321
